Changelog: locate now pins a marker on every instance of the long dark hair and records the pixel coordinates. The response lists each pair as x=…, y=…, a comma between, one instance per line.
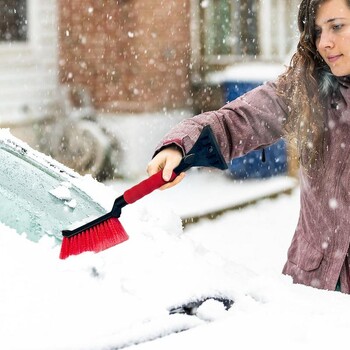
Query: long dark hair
x=308, y=87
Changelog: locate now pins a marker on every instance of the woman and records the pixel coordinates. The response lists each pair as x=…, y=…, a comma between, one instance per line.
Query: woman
x=308, y=104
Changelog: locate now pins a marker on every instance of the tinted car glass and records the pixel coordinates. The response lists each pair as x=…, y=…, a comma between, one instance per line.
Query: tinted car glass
x=28, y=200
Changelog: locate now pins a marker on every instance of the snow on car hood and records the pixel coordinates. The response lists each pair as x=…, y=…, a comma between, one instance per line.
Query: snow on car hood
x=95, y=300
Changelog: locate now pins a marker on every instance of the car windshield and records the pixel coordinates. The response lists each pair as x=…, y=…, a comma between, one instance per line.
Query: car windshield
x=37, y=199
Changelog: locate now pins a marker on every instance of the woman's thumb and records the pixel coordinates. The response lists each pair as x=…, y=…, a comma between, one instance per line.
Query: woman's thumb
x=167, y=172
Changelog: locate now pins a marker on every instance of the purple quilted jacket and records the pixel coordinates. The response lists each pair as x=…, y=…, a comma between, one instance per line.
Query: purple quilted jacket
x=318, y=253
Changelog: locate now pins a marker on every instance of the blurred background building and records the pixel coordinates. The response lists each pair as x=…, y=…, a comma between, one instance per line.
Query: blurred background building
x=97, y=83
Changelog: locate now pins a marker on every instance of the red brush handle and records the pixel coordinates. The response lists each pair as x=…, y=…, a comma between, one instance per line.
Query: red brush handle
x=146, y=187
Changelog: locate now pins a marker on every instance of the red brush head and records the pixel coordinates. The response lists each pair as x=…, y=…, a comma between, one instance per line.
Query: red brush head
x=104, y=235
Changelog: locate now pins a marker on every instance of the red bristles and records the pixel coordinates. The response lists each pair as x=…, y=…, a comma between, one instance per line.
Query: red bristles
x=102, y=236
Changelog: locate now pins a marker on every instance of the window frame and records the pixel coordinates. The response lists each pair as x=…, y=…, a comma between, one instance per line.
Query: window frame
x=274, y=39
x=15, y=47
x=19, y=53
x=21, y=37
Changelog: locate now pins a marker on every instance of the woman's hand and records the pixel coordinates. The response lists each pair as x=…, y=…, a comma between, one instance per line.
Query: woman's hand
x=167, y=159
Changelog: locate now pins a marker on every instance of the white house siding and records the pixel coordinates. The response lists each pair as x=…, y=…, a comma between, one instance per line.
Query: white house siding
x=278, y=31
x=29, y=70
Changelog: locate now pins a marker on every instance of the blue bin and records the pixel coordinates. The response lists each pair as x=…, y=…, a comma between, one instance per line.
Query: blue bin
x=234, y=89
x=253, y=164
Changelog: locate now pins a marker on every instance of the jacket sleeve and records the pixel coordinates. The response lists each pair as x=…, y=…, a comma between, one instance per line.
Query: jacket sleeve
x=250, y=122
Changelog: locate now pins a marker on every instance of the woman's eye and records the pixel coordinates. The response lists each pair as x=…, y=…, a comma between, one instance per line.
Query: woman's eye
x=337, y=26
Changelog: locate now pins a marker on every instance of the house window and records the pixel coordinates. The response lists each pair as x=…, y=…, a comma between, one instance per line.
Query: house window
x=13, y=20
x=230, y=27
x=242, y=30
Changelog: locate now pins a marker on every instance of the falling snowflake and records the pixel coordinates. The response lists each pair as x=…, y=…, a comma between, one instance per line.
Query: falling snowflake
x=333, y=203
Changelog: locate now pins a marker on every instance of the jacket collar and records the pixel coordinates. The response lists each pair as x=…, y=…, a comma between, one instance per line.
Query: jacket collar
x=344, y=81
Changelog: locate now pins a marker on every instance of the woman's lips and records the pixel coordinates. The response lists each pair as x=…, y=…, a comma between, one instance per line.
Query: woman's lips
x=333, y=58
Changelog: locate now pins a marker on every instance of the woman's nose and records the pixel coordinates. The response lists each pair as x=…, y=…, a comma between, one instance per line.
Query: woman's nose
x=326, y=40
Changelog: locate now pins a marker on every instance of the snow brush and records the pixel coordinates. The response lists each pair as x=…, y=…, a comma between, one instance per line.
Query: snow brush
x=107, y=231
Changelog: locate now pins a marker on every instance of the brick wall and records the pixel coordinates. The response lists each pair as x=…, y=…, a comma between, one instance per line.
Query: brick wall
x=132, y=55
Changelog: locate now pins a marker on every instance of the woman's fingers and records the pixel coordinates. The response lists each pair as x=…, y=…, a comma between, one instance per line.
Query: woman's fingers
x=167, y=159
x=177, y=180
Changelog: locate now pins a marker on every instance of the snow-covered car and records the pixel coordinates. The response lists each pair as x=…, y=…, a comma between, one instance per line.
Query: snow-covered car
x=137, y=291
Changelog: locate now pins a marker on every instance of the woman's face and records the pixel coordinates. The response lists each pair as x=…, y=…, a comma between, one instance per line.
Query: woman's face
x=332, y=28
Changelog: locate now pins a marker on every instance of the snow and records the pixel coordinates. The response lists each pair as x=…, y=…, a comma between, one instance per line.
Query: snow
x=129, y=131
x=62, y=192
x=253, y=72
x=121, y=296
x=211, y=310
x=208, y=191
